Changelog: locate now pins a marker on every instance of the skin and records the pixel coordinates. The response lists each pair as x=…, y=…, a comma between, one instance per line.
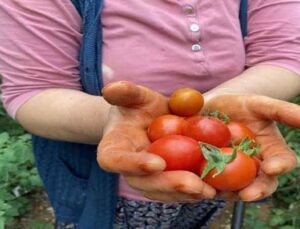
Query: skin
x=122, y=127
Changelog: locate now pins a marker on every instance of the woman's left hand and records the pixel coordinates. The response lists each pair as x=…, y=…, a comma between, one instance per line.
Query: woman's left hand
x=260, y=114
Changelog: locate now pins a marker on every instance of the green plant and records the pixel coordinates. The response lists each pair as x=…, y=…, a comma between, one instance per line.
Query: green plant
x=36, y=224
x=18, y=175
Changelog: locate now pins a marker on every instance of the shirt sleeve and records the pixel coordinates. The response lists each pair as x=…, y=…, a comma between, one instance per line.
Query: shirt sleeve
x=274, y=33
x=39, y=48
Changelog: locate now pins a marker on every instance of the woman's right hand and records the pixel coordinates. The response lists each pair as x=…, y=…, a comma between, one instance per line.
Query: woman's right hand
x=124, y=143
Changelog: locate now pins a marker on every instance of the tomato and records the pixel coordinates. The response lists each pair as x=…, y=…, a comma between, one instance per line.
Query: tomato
x=166, y=125
x=179, y=152
x=237, y=174
x=257, y=162
x=208, y=130
x=239, y=131
x=186, y=102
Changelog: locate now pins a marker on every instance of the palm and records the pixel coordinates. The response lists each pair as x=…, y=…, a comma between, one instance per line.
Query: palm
x=128, y=120
x=123, y=147
x=259, y=113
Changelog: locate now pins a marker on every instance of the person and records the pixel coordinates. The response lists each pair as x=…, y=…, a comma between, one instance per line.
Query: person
x=151, y=49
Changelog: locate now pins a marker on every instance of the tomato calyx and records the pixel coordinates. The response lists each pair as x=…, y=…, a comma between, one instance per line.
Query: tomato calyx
x=217, y=115
x=215, y=159
x=247, y=147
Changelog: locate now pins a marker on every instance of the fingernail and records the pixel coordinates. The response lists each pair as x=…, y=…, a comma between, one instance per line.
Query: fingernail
x=154, y=165
x=256, y=197
x=208, y=192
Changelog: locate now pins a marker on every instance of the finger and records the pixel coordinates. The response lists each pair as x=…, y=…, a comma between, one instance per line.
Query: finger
x=171, y=198
x=129, y=95
x=276, y=110
x=277, y=157
x=173, y=182
x=263, y=186
x=118, y=153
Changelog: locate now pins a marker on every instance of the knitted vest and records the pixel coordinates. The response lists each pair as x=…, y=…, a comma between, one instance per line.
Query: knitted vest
x=78, y=189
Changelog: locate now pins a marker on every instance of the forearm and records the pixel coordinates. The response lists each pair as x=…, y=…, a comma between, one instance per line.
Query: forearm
x=267, y=80
x=66, y=115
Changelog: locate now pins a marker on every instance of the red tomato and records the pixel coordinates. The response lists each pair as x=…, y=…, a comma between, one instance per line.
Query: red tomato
x=179, y=152
x=239, y=131
x=186, y=102
x=257, y=162
x=208, y=130
x=237, y=174
x=166, y=125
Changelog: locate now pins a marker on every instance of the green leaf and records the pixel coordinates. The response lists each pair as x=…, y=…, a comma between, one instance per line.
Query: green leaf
x=41, y=225
x=246, y=146
x=35, y=181
x=4, y=206
x=12, y=212
x=230, y=158
x=277, y=221
x=4, y=138
x=2, y=222
x=288, y=227
x=220, y=168
x=5, y=195
x=215, y=159
x=207, y=169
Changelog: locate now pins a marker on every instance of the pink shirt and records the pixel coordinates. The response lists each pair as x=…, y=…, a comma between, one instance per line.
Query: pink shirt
x=159, y=44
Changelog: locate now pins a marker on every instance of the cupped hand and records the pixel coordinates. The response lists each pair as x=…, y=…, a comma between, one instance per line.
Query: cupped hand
x=260, y=114
x=123, y=148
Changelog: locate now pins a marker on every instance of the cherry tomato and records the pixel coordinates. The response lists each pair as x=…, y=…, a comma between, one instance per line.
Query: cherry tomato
x=186, y=102
x=257, y=162
x=179, y=152
x=166, y=125
x=239, y=131
x=237, y=174
x=208, y=130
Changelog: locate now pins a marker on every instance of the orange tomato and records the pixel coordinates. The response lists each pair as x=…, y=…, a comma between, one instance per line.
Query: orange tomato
x=186, y=102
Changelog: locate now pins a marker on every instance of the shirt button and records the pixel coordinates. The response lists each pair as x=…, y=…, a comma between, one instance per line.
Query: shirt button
x=188, y=9
x=194, y=27
x=196, y=48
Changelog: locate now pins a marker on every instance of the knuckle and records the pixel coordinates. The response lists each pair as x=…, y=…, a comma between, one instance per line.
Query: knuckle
x=186, y=183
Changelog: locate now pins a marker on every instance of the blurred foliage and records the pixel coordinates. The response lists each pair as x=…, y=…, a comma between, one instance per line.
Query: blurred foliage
x=18, y=174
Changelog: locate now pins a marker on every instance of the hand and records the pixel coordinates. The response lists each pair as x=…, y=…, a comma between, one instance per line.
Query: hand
x=260, y=113
x=123, y=147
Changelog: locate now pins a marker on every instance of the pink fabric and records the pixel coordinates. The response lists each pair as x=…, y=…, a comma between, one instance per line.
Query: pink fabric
x=39, y=46
x=146, y=42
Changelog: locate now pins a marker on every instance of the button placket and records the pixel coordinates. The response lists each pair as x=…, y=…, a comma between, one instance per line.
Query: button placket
x=196, y=47
x=189, y=9
x=195, y=31
x=194, y=27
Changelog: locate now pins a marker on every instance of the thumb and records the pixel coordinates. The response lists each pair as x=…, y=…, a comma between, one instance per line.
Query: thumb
x=126, y=94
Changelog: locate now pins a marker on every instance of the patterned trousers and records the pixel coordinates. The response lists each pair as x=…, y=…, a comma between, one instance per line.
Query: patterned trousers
x=132, y=214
